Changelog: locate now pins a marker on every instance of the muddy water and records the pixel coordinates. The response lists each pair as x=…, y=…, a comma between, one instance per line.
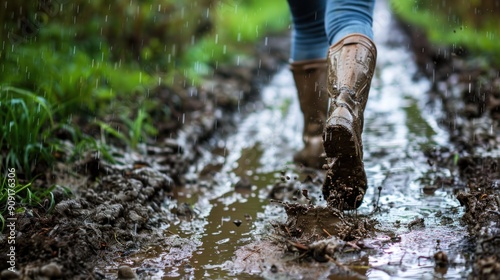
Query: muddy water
x=227, y=192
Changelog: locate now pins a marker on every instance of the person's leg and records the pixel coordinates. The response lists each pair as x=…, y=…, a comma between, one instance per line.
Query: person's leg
x=344, y=17
x=351, y=63
x=309, y=40
x=308, y=65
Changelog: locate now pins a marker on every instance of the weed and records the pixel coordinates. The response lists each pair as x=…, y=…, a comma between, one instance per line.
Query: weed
x=26, y=121
x=81, y=143
x=138, y=129
x=456, y=158
x=25, y=196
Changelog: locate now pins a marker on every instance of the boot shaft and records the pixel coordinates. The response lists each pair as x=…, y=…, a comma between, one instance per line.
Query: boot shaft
x=310, y=81
x=351, y=64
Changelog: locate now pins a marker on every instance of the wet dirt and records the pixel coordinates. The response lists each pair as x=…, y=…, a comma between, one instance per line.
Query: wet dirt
x=222, y=199
x=258, y=215
x=469, y=89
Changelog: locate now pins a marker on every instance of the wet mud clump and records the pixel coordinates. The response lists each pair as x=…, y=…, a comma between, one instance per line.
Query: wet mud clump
x=307, y=246
x=302, y=248
x=318, y=233
x=308, y=223
x=345, y=183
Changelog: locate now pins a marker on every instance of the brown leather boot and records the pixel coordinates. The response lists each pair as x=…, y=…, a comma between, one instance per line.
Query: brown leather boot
x=310, y=80
x=351, y=63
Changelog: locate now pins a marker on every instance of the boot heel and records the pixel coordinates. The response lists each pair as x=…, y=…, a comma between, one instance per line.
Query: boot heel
x=339, y=140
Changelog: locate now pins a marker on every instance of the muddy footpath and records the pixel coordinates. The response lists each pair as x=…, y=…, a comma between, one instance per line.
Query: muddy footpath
x=216, y=195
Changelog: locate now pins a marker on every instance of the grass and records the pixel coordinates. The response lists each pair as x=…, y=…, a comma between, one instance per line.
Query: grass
x=138, y=130
x=26, y=124
x=234, y=34
x=23, y=195
x=73, y=80
x=455, y=24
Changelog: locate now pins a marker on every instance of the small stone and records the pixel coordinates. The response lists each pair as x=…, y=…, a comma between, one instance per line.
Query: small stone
x=274, y=269
x=9, y=274
x=81, y=232
x=51, y=270
x=134, y=217
x=441, y=258
x=243, y=184
x=125, y=272
x=237, y=222
x=184, y=210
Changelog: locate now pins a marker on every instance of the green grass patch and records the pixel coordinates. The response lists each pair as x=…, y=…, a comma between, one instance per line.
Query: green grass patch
x=238, y=25
x=17, y=197
x=25, y=129
x=471, y=24
x=137, y=130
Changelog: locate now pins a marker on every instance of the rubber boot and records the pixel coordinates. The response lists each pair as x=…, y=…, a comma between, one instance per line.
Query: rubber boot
x=351, y=64
x=310, y=80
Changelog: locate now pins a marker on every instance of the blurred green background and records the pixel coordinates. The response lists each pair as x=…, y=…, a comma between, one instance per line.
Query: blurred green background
x=470, y=24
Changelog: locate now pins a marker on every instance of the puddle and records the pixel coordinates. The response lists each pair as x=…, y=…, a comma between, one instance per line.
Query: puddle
x=232, y=209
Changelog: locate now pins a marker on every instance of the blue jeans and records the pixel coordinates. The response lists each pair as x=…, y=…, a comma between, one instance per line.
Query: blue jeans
x=317, y=24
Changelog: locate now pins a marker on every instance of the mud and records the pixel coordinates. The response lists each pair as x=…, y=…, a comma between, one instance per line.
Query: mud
x=469, y=89
x=216, y=197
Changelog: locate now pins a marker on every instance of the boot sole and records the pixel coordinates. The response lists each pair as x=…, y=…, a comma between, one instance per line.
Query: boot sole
x=339, y=140
x=344, y=186
x=345, y=183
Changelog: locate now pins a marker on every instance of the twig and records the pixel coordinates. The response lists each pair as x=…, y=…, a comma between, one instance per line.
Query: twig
x=251, y=253
x=116, y=239
x=299, y=245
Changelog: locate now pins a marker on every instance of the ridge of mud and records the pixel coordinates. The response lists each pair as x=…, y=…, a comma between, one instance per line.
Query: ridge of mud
x=116, y=209
x=469, y=89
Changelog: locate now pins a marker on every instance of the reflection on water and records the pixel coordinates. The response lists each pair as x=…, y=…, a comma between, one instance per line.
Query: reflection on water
x=399, y=124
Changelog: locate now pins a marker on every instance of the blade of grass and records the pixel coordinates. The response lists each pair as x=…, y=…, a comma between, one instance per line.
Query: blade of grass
x=108, y=129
